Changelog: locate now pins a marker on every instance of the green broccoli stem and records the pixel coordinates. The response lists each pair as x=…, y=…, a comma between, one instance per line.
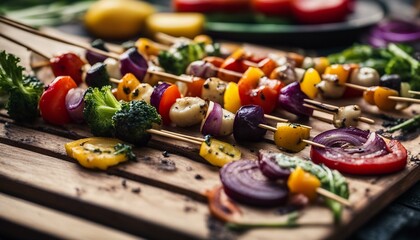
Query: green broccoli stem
x=393, y=48
x=290, y=222
x=406, y=124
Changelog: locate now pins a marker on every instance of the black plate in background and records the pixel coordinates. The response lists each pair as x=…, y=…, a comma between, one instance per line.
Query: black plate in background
x=366, y=14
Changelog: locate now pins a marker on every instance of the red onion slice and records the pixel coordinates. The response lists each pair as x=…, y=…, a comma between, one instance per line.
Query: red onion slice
x=394, y=31
x=133, y=62
x=291, y=99
x=269, y=167
x=157, y=94
x=212, y=123
x=243, y=181
x=75, y=104
x=245, y=126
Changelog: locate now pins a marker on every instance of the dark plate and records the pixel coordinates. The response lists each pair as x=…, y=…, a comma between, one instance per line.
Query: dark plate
x=366, y=14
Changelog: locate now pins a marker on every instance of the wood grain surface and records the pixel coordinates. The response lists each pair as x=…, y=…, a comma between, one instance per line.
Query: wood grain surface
x=156, y=196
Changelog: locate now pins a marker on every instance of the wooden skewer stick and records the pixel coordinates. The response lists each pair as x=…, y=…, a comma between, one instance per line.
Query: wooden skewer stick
x=24, y=45
x=327, y=108
x=333, y=196
x=327, y=120
x=166, y=38
x=37, y=32
x=273, y=129
x=414, y=92
x=395, y=98
x=173, y=136
x=271, y=117
x=185, y=136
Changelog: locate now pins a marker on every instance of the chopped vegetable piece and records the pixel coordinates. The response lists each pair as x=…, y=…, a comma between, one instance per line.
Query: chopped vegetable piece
x=249, y=117
x=169, y=97
x=354, y=151
x=309, y=82
x=291, y=98
x=368, y=95
x=52, y=103
x=68, y=64
x=380, y=97
x=94, y=57
x=142, y=92
x=347, y=116
x=243, y=181
x=97, y=75
x=131, y=61
x=147, y=47
x=188, y=111
x=231, y=99
x=213, y=90
x=269, y=167
x=289, y=136
x=218, y=153
x=303, y=182
x=23, y=92
x=127, y=85
x=97, y=152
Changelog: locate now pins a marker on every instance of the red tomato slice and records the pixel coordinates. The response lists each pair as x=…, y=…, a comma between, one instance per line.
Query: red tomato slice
x=394, y=161
x=52, y=104
x=320, y=11
x=68, y=64
x=168, y=99
x=273, y=7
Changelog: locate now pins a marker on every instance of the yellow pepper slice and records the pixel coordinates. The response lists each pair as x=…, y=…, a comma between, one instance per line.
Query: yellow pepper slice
x=98, y=152
x=128, y=83
x=147, y=47
x=219, y=153
x=342, y=72
x=368, y=95
x=380, y=96
x=303, y=182
x=232, y=101
x=289, y=136
x=309, y=82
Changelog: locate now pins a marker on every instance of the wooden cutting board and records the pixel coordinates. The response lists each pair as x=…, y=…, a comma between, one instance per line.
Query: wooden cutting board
x=155, y=196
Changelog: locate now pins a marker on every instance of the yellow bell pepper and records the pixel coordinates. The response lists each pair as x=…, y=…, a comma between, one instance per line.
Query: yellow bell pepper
x=232, y=101
x=342, y=72
x=147, y=47
x=128, y=83
x=368, y=95
x=309, y=82
x=321, y=63
x=98, y=152
x=380, y=96
x=219, y=153
x=303, y=182
x=289, y=136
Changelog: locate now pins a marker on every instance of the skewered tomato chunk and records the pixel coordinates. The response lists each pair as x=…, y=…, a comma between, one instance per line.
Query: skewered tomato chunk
x=289, y=136
x=68, y=64
x=303, y=182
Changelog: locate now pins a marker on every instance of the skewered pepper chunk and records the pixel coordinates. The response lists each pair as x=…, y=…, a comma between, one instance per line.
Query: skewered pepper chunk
x=289, y=136
x=309, y=82
x=127, y=85
x=218, y=153
x=303, y=182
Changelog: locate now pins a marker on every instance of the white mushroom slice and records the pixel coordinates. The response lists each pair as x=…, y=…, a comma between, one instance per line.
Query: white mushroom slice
x=329, y=87
x=365, y=76
x=142, y=92
x=188, y=111
x=347, y=116
x=113, y=68
x=214, y=90
x=227, y=123
x=299, y=72
x=285, y=73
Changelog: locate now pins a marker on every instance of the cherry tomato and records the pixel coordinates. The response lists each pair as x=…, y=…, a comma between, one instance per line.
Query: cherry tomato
x=205, y=6
x=52, y=104
x=168, y=99
x=394, y=161
x=256, y=89
x=320, y=11
x=272, y=7
x=68, y=64
x=195, y=87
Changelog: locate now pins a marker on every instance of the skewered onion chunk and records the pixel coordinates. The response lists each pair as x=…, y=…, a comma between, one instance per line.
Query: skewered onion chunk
x=347, y=116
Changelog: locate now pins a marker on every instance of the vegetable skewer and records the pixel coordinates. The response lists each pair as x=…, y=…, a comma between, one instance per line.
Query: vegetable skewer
x=395, y=98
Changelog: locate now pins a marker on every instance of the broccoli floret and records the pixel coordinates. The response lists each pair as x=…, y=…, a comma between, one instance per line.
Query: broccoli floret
x=24, y=91
x=100, y=106
x=177, y=59
x=132, y=121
